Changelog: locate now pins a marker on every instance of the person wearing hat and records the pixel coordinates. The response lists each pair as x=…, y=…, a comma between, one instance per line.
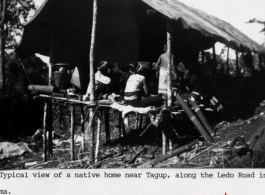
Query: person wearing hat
x=102, y=82
x=136, y=90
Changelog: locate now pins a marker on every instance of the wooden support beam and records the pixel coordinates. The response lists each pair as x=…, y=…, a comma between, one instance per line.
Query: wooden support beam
x=50, y=128
x=147, y=121
x=164, y=140
x=83, y=127
x=260, y=62
x=123, y=129
x=227, y=62
x=169, y=84
x=214, y=54
x=98, y=137
x=169, y=68
x=170, y=144
x=91, y=54
x=45, y=133
x=141, y=121
x=120, y=124
x=215, y=62
x=107, y=130
x=202, y=60
x=72, y=133
x=237, y=65
x=90, y=134
x=136, y=120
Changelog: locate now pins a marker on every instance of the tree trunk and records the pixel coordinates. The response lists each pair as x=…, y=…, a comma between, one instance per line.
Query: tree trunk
x=2, y=64
x=91, y=56
x=2, y=47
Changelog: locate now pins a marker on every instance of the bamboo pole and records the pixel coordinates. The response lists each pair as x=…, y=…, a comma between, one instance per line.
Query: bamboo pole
x=136, y=120
x=72, y=139
x=260, y=62
x=165, y=135
x=202, y=56
x=169, y=155
x=107, y=130
x=214, y=54
x=98, y=138
x=45, y=133
x=90, y=134
x=215, y=62
x=91, y=56
x=237, y=65
x=120, y=124
x=123, y=128
x=227, y=62
x=83, y=127
x=141, y=121
x=164, y=139
x=170, y=144
x=92, y=77
x=50, y=130
x=202, y=117
x=169, y=86
x=194, y=120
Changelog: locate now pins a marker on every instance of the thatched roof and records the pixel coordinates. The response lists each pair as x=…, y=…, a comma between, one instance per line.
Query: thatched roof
x=124, y=31
x=208, y=25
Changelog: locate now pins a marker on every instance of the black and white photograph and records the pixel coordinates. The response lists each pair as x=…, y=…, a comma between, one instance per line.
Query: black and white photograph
x=132, y=97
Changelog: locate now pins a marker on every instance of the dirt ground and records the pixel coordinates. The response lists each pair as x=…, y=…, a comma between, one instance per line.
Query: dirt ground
x=243, y=101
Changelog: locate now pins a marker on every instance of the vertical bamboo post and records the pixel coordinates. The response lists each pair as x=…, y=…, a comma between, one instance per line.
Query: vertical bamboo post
x=45, y=133
x=120, y=124
x=169, y=68
x=260, y=62
x=50, y=66
x=237, y=65
x=169, y=86
x=98, y=137
x=164, y=139
x=107, y=130
x=227, y=62
x=136, y=120
x=214, y=54
x=92, y=76
x=202, y=52
x=141, y=121
x=72, y=140
x=215, y=61
x=50, y=127
x=82, y=127
x=170, y=146
x=91, y=55
x=123, y=128
x=90, y=134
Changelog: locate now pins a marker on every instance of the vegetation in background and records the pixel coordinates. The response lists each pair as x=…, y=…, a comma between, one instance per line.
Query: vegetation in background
x=19, y=114
x=14, y=14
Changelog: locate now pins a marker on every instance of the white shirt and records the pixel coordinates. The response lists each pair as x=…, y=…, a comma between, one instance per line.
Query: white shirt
x=99, y=77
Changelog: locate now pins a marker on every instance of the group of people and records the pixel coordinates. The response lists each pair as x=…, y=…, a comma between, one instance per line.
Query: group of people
x=136, y=90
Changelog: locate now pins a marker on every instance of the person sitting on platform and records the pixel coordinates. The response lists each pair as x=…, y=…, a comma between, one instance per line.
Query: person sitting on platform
x=210, y=92
x=136, y=90
x=102, y=83
x=189, y=84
